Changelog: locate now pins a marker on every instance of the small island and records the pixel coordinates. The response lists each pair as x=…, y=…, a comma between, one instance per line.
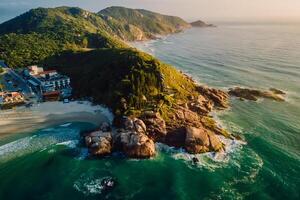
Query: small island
x=202, y=24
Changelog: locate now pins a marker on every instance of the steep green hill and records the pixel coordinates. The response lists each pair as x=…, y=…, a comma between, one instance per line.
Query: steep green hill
x=89, y=48
x=149, y=23
x=42, y=32
x=71, y=23
x=115, y=77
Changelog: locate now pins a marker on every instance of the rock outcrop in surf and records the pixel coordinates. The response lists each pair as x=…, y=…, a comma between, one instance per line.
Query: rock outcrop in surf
x=189, y=127
x=254, y=94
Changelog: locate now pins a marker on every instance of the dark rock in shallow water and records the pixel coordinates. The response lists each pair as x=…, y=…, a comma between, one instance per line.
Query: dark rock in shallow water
x=108, y=183
x=254, y=95
x=99, y=143
x=195, y=160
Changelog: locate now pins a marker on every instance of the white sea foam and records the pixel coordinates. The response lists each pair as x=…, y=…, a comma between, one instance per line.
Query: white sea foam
x=210, y=160
x=66, y=125
x=71, y=143
x=39, y=142
x=89, y=185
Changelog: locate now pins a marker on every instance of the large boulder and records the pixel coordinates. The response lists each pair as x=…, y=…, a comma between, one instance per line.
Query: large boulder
x=197, y=140
x=156, y=126
x=218, y=97
x=137, y=145
x=99, y=143
x=181, y=118
x=185, y=117
x=215, y=142
x=201, y=105
x=200, y=140
x=134, y=124
x=133, y=139
x=139, y=126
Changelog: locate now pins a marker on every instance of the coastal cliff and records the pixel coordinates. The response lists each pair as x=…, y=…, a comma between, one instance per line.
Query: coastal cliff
x=171, y=107
x=152, y=101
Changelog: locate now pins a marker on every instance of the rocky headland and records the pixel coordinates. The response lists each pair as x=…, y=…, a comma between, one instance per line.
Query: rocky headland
x=190, y=127
x=254, y=94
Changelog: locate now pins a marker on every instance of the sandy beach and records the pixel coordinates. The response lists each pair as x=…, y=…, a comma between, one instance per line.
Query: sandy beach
x=46, y=114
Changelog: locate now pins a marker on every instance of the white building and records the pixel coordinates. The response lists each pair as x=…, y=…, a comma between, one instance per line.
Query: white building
x=49, y=81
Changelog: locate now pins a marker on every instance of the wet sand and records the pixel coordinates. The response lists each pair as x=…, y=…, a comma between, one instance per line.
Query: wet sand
x=46, y=114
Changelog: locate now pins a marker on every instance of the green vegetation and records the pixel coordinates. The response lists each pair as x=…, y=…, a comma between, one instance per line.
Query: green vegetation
x=43, y=32
x=72, y=24
x=149, y=22
x=126, y=80
x=25, y=49
x=90, y=49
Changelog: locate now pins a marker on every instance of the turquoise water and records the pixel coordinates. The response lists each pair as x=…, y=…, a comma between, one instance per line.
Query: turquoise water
x=50, y=164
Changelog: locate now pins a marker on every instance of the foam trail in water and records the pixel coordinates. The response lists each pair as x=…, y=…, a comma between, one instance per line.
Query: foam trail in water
x=71, y=143
x=210, y=160
x=66, y=125
x=30, y=144
x=88, y=186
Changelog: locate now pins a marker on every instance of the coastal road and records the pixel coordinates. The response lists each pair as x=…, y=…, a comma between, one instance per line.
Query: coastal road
x=16, y=81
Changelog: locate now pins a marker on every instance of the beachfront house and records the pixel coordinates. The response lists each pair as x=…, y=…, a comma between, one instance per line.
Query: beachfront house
x=8, y=99
x=49, y=84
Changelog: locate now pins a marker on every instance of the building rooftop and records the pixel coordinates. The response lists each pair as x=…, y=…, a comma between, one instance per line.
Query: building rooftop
x=55, y=77
x=47, y=72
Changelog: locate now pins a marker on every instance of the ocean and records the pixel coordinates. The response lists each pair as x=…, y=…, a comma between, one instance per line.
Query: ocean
x=51, y=164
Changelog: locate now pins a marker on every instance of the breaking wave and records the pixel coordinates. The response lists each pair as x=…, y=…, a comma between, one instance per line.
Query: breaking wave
x=44, y=139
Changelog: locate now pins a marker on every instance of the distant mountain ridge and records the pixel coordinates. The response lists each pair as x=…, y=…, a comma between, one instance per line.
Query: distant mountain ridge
x=148, y=23
x=125, y=23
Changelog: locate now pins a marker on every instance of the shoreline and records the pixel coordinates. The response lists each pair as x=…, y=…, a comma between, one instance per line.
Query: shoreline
x=46, y=114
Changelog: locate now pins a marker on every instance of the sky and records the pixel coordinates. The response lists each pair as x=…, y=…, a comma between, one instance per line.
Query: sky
x=208, y=10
